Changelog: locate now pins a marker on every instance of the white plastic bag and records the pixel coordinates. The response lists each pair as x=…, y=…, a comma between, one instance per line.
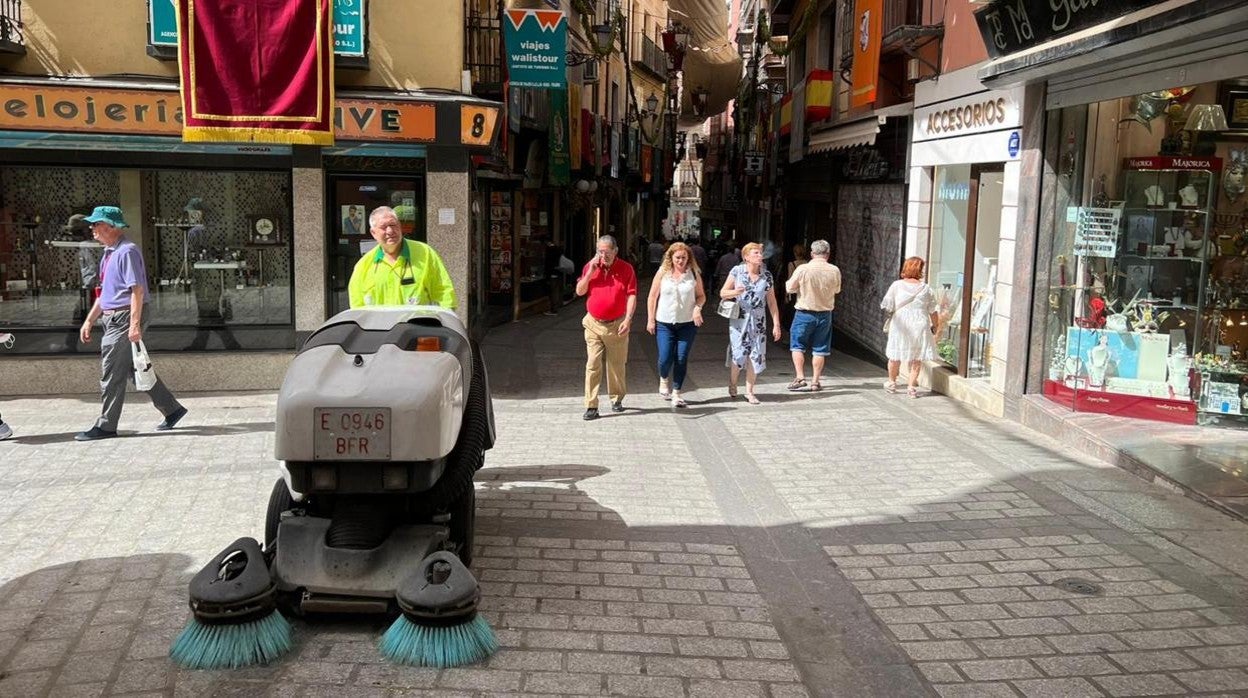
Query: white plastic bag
x=144, y=374
x=566, y=266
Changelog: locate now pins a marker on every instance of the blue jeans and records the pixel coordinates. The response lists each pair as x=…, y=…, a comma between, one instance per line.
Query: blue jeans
x=811, y=331
x=675, y=341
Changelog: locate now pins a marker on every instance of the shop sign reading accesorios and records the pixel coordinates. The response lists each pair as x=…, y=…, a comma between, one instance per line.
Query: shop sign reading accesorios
x=537, y=43
x=348, y=21
x=994, y=110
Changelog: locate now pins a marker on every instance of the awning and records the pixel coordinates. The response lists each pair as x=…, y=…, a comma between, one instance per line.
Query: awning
x=1179, y=42
x=855, y=133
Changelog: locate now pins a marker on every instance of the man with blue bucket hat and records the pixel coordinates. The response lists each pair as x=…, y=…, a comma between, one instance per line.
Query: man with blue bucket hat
x=120, y=310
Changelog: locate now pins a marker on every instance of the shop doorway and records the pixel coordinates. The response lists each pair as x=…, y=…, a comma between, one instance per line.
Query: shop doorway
x=352, y=198
x=964, y=247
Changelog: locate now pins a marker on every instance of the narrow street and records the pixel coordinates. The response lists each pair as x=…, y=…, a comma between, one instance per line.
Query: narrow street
x=841, y=543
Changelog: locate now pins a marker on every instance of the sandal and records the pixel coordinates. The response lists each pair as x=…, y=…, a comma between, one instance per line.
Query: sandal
x=665, y=391
x=912, y=392
x=797, y=384
x=890, y=386
x=749, y=397
x=816, y=387
x=732, y=390
x=678, y=401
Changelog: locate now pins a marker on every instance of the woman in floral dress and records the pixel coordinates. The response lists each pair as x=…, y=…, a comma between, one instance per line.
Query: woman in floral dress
x=754, y=289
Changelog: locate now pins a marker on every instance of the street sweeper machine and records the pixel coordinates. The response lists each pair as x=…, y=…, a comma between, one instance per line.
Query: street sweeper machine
x=382, y=420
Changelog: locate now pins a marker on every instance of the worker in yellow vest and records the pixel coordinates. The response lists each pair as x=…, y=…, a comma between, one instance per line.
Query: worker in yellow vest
x=398, y=271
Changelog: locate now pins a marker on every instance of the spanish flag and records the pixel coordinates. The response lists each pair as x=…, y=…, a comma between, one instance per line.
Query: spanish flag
x=257, y=71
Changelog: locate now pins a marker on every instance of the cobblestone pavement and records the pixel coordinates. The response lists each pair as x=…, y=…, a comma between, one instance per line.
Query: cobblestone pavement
x=844, y=543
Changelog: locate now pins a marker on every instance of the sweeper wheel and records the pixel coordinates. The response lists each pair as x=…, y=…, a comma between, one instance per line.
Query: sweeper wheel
x=279, y=501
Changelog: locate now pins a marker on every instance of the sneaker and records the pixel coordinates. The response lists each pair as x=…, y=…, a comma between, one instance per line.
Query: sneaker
x=172, y=420
x=590, y=414
x=5, y=431
x=617, y=407
x=95, y=434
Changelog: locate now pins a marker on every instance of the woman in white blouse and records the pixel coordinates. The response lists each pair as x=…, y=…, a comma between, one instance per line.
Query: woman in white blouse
x=674, y=314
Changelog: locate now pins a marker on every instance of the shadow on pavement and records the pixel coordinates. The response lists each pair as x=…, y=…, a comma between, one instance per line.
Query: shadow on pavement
x=585, y=600
x=216, y=430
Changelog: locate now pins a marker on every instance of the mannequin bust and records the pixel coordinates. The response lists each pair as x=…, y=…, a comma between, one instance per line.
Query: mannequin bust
x=1178, y=366
x=1098, y=362
x=1188, y=196
x=1154, y=195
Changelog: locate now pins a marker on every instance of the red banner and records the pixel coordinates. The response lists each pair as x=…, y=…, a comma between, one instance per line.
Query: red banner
x=257, y=71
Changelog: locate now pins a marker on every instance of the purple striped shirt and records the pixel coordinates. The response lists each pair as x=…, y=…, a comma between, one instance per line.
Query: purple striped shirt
x=121, y=269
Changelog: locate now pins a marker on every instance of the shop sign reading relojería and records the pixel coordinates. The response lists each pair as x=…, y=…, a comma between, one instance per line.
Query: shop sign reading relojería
x=537, y=42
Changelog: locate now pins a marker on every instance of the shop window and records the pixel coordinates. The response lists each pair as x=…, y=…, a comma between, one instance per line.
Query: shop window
x=965, y=238
x=1148, y=298
x=217, y=248
x=353, y=200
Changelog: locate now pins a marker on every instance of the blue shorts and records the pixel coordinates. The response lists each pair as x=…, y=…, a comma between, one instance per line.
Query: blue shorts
x=811, y=331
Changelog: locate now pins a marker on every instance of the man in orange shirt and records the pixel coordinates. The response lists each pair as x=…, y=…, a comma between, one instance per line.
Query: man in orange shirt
x=610, y=285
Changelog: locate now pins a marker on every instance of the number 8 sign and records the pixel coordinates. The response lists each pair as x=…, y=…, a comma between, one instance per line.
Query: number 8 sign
x=476, y=124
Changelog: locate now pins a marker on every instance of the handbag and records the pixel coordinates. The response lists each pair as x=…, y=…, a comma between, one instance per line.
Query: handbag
x=729, y=308
x=888, y=315
x=144, y=374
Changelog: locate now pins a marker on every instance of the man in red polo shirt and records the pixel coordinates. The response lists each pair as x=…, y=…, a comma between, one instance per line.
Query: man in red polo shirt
x=611, y=286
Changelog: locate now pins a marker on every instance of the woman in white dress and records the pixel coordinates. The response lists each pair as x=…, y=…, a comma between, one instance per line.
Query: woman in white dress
x=911, y=306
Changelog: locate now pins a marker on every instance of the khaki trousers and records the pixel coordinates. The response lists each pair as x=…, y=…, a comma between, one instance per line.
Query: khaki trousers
x=602, y=340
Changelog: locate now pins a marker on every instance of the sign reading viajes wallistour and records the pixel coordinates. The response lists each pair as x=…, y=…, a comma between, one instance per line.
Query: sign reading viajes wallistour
x=537, y=42
x=162, y=26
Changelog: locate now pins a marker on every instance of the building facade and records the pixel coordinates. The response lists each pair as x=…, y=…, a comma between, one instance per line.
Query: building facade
x=248, y=247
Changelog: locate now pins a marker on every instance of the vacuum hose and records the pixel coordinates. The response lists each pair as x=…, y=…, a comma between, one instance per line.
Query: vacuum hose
x=469, y=453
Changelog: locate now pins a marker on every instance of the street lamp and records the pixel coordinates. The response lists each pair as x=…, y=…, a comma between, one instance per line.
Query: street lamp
x=604, y=37
x=652, y=103
x=675, y=43
x=700, y=96
x=675, y=39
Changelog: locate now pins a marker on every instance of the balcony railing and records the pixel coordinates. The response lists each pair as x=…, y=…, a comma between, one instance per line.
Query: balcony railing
x=12, y=37
x=905, y=26
x=652, y=58
x=483, y=46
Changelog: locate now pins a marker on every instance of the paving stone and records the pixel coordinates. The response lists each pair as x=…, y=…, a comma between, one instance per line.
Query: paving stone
x=998, y=689
x=1016, y=647
x=1086, y=665
x=998, y=669
x=1138, y=685
x=1210, y=680
x=1057, y=688
x=1141, y=662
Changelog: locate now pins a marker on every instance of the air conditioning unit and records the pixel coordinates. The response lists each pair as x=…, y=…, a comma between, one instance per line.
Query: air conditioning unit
x=589, y=71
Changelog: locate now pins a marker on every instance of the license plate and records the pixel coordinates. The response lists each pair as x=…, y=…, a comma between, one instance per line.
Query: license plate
x=351, y=434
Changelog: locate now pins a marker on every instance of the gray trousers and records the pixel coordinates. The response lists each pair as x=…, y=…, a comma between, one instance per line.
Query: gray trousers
x=117, y=369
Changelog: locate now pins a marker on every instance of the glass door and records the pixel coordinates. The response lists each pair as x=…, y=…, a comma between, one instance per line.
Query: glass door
x=962, y=269
x=352, y=199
